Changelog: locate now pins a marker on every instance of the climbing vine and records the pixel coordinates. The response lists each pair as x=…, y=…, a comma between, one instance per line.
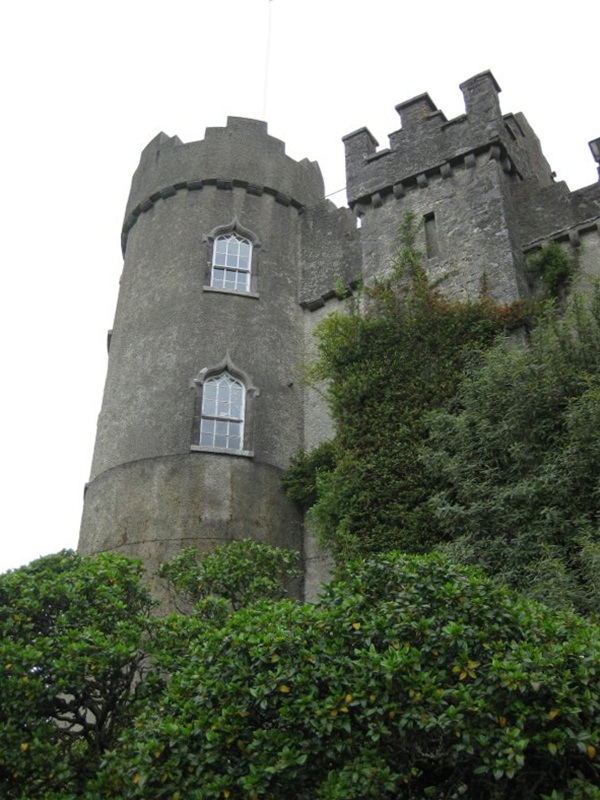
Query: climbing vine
x=399, y=353
x=553, y=268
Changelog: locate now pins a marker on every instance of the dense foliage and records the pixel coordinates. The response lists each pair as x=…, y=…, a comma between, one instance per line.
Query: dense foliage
x=518, y=462
x=238, y=572
x=400, y=353
x=82, y=652
x=409, y=679
x=552, y=268
x=72, y=669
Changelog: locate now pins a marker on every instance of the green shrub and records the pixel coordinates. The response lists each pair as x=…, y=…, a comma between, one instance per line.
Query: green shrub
x=411, y=678
x=517, y=462
x=553, y=267
x=71, y=669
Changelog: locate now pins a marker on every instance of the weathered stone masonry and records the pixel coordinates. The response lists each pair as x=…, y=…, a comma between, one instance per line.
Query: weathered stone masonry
x=487, y=198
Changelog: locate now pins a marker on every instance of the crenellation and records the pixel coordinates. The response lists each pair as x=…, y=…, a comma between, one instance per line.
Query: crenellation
x=482, y=104
x=360, y=141
x=416, y=111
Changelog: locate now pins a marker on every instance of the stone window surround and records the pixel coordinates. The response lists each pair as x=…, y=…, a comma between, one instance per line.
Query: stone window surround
x=251, y=392
x=237, y=229
x=231, y=262
x=223, y=406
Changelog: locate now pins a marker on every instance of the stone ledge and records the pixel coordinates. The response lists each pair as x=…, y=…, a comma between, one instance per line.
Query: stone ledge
x=217, y=290
x=220, y=451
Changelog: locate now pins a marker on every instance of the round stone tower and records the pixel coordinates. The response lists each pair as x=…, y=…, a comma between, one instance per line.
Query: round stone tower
x=202, y=408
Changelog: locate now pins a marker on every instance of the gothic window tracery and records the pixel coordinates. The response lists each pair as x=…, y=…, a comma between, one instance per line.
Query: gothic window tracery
x=223, y=410
x=231, y=263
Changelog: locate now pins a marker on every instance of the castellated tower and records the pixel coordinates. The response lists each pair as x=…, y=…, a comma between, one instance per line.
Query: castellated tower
x=203, y=407
x=231, y=258
x=481, y=189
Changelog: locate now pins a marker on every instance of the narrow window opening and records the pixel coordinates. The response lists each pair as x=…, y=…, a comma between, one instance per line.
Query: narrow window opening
x=432, y=244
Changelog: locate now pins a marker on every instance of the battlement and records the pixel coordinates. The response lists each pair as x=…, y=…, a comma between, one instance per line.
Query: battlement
x=428, y=144
x=240, y=154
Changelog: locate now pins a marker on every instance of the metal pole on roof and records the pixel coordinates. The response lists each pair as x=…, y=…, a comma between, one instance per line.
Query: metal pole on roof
x=267, y=58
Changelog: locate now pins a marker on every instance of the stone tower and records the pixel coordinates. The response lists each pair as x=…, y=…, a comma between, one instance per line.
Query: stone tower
x=480, y=187
x=202, y=406
x=231, y=256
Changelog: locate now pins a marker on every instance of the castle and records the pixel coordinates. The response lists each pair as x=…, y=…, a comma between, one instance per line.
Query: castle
x=232, y=256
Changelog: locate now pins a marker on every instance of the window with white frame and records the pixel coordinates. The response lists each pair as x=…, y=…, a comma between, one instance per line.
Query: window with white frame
x=223, y=406
x=231, y=263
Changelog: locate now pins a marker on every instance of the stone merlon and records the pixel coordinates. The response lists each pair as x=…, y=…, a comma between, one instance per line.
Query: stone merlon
x=427, y=142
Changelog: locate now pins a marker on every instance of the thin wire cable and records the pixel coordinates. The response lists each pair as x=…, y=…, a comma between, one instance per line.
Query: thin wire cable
x=337, y=191
x=267, y=59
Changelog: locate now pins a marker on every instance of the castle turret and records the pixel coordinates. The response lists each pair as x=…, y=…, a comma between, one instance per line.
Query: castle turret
x=202, y=407
x=457, y=177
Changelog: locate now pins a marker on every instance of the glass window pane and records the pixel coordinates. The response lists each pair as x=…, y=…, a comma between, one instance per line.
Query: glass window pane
x=207, y=433
x=221, y=425
x=218, y=278
x=234, y=254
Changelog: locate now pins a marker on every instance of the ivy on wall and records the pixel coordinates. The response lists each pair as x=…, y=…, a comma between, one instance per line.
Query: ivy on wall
x=449, y=435
x=552, y=268
x=399, y=353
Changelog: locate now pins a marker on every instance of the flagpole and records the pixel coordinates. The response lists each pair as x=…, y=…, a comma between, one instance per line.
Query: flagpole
x=267, y=58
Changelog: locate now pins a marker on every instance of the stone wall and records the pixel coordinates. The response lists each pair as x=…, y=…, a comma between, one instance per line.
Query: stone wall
x=485, y=198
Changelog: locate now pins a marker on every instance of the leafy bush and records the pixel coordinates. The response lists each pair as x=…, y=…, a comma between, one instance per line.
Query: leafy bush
x=553, y=268
x=71, y=669
x=300, y=480
x=411, y=678
x=239, y=572
x=517, y=462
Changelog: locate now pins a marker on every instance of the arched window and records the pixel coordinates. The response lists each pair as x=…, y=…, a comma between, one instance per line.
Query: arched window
x=231, y=263
x=223, y=407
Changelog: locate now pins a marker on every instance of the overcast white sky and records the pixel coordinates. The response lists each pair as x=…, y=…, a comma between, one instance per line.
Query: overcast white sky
x=85, y=86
